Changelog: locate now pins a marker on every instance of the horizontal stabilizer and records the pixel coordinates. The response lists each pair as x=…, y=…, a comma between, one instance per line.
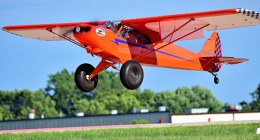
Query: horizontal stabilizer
x=228, y=60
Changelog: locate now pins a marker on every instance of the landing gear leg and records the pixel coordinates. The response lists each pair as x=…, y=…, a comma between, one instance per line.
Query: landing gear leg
x=216, y=80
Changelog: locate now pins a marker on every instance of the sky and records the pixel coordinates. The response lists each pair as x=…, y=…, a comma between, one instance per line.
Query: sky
x=26, y=63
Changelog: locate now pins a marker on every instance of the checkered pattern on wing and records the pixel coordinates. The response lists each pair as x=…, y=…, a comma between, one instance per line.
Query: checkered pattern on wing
x=218, y=53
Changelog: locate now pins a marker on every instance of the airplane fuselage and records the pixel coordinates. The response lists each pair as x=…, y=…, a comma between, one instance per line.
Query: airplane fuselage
x=104, y=43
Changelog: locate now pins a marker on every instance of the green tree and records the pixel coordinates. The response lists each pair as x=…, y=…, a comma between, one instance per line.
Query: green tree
x=6, y=101
x=109, y=99
x=245, y=106
x=6, y=97
x=170, y=100
x=62, y=88
x=1, y=116
x=205, y=98
x=127, y=103
x=146, y=99
x=256, y=98
x=122, y=100
x=185, y=98
x=81, y=106
x=24, y=100
x=108, y=81
x=23, y=114
x=96, y=108
x=6, y=113
x=93, y=107
x=44, y=105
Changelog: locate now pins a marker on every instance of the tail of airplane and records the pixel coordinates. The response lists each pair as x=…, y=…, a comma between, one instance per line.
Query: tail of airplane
x=211, y=55
x=211, y=58
x=211, y=49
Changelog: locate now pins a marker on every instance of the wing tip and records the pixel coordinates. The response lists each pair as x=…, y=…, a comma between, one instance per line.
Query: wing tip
x=4, y=28
x=7, y=28
x=248, y=12
x=245, y=59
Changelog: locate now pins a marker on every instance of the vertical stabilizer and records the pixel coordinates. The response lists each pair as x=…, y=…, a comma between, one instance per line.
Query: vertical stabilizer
x=212, y=48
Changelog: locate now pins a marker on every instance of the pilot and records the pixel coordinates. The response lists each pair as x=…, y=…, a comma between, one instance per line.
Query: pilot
x=124, y=32
x=110, y=25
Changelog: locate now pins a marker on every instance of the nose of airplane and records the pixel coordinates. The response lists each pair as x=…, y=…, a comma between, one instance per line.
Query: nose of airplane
x=80, y=29
x=82, y=33
x=86, y=35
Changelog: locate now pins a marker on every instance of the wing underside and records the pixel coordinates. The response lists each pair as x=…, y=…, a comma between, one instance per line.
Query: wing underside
x=42, y=31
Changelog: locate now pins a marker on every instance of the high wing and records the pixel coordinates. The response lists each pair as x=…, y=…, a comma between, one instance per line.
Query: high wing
x=228, y=60
x=160, y=26
x=57, y=31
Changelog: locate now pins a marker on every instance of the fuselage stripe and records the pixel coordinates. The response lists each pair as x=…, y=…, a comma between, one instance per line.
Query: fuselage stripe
x=117, y=41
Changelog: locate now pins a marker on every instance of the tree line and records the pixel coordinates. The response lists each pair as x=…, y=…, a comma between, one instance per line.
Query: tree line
x=61, y=96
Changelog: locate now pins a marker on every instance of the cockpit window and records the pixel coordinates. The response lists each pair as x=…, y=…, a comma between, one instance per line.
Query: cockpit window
x=146, y=39
x=124, y=33
x=113, y=26
x=128, y=33
x=139, y=37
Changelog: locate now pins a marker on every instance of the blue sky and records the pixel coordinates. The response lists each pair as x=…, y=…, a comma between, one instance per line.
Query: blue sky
x=26, y=63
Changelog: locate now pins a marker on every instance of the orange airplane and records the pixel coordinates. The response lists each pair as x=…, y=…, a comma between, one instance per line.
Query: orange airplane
x=145, y=41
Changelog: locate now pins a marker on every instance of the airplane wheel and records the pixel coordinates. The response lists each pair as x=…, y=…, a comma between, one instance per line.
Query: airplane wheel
x=131, y=74
x=81, y=80
x=216, y=80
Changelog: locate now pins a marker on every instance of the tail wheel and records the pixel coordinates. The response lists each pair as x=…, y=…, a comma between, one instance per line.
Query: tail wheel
x=216, y=80
x=81, y=78
x=131, y=74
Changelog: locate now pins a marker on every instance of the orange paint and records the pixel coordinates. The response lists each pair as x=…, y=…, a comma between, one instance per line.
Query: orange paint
x=118, y=50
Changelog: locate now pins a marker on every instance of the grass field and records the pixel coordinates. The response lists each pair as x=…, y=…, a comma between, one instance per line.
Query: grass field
x=222, y=132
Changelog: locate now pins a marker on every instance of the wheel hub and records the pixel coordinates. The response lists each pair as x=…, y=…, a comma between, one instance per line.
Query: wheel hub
x=87, y=77
x=134, y=74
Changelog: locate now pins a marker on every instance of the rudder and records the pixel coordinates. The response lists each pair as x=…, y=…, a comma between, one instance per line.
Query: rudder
x=212, y=47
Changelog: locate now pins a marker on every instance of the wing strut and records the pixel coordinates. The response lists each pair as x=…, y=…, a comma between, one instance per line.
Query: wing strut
x=150, y=49
x=66, y=38
x=170, y=34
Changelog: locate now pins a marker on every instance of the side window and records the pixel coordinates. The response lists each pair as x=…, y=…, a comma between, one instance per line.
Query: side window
x=146, y=39
x=134, y=36
x=138, y=37
x=128, y=33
